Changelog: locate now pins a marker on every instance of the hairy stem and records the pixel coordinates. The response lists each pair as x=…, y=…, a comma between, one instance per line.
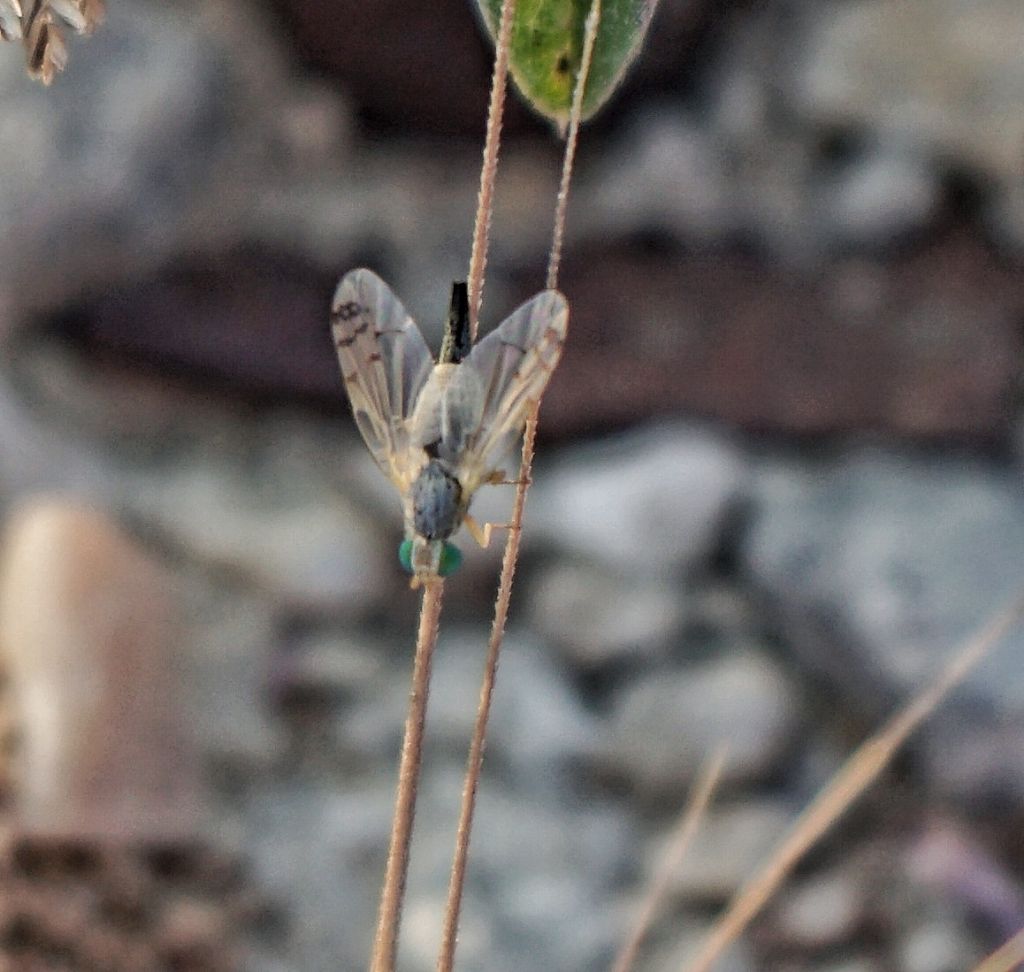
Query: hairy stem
x=474, y=762
x=489, y=168
x=389, y=915
x=393, y=892
x=572, y=136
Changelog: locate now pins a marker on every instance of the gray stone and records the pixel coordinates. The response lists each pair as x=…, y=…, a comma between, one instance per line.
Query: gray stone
x=538, y=867
x=544, y=857
x=880, y=195
x=678, y=183
x=311, y=845
x=369, y=729
x=328, y=664
x=538, y=725
x=840, y=124
x=720, y=613
x=680, y=940
x=665, y=723
x=731, y=842
x=168, y=103
x=648, y=502
x=47, y=459
x=854, y=964
x=880, y=564
x=774, y=178
x=953, y=868
x=274, y=531
x=937, y=72
x=596, y=617
x=537, y=732
x=821, y=910
x=555, y=864
x=264, y=498
x=231, y=637
x=937, y=945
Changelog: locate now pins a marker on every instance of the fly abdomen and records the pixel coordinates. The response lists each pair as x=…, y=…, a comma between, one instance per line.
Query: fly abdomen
x=457, y=341
x=436, y=496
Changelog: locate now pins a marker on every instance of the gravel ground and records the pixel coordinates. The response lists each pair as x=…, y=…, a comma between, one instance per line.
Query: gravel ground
x=778, y=481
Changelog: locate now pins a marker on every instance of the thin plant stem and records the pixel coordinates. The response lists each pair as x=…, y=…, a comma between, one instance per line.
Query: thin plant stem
x=474, y=760
x=389, y=915
x=393, y=892
x=562, y=201
x=489, y=168
x=692, y=815
x=859, y=771
x=1006, y=958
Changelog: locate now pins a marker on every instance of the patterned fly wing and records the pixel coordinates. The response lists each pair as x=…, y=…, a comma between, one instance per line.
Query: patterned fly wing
x=513, y=364
x=385, y=362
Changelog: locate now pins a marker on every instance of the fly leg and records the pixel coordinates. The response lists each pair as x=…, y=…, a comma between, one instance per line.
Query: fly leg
x=482, y=534
x=497, y=478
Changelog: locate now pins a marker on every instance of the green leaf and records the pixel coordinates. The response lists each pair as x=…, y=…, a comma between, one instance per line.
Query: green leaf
x=547, y=43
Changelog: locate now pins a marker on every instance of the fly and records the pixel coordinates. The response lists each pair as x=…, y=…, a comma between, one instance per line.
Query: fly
x=438, y=430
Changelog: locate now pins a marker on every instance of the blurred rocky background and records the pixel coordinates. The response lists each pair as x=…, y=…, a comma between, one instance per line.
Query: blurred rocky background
x=778, y=481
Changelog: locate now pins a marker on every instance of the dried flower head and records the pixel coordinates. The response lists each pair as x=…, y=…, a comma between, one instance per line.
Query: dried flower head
x=36, y=24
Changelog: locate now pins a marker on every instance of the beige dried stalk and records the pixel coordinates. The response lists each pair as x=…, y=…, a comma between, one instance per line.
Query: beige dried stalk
x=856, y=775
x=36, y=23
x=658, y=890
x=1006, y=958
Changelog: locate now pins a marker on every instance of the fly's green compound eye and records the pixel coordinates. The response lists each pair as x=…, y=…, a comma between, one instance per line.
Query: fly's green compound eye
x=405, y=555
x=450, y=562
x=451, y=559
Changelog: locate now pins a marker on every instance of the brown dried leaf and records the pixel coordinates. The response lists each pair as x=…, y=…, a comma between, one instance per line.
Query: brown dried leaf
x=36, y=26
x=10, y=20
x=45, y=50
x=93, y=11
x=82, y=15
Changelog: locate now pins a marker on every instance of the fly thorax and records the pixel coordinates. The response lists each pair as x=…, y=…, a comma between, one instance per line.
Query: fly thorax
x=448, y=412
x=436, y=502
x=425, y=422
x=461, y=407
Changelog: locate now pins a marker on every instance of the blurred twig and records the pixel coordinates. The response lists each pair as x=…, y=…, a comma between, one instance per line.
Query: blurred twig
x=688, y=823
x=859, y=771
x=1006, y=958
